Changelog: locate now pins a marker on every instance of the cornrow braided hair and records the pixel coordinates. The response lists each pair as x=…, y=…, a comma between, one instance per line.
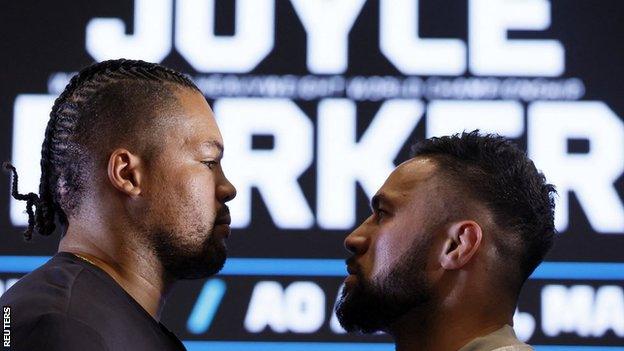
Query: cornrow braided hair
x=61, y=151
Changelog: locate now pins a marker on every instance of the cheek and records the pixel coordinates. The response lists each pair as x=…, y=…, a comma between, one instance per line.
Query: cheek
x=388, y=247
x=185, y=196
x=199, y=193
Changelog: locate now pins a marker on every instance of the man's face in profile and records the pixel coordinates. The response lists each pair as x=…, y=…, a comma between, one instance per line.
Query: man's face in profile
x=391, y=248
x=186, y=220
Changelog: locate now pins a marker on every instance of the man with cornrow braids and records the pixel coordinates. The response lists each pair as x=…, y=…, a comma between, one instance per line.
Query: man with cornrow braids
x=131, y=173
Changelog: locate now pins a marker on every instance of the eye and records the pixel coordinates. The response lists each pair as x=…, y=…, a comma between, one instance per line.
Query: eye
x=210, y=164
x=380, y=214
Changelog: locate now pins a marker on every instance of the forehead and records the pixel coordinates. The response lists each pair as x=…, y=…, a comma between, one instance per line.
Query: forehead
x=416, y=178
x=194, y=124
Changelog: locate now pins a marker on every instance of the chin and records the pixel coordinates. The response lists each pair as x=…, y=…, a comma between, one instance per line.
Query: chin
x=191, y=259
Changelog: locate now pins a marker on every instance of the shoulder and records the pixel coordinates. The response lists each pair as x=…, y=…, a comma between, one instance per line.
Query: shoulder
x=503, y=339
x=515, y=348
x=47, y=289
x=55, y=331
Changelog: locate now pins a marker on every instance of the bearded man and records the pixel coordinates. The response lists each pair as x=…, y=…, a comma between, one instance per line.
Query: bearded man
x=130, y=169
x=454, y=234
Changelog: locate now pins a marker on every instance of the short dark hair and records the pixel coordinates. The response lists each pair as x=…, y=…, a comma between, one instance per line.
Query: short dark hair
x=497, y=174
x=104, y=104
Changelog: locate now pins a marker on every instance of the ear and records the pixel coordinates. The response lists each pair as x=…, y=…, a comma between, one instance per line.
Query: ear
x=463, y=241
x=125, y=172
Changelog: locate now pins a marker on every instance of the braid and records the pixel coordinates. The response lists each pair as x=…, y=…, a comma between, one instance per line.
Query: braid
x=61, y=154
x=31, y=200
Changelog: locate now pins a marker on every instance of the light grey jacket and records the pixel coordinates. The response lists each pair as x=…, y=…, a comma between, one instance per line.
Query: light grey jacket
x=504, y=339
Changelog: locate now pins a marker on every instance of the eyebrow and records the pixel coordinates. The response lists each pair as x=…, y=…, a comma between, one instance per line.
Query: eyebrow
x=214, y=144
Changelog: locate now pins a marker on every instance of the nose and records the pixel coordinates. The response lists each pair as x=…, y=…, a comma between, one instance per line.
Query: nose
x=226, y=191
x=357, y=242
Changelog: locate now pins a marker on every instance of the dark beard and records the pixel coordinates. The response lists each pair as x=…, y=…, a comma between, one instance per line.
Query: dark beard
x=371, y=306
x=183, y=262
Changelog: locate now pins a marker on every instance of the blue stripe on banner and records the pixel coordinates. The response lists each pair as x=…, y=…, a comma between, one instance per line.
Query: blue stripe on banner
x=339, y=346
x=285, y=267
x=21, y=264
x=578, y=348
x=336, y=268
x=284, y=346
x=579, y=271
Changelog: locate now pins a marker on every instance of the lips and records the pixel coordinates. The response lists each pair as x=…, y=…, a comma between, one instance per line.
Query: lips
x=354, y=272
x=223, y=217
x=223, y=220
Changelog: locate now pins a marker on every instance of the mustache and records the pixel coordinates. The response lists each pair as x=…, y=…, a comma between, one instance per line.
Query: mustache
x=223, y=211
x=352, y=266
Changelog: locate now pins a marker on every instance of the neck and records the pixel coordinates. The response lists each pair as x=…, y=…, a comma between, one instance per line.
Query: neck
x=132, y=265
x=449, y=328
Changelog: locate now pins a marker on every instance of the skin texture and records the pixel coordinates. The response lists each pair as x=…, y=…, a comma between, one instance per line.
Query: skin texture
x=150, y=221
x=425, y=255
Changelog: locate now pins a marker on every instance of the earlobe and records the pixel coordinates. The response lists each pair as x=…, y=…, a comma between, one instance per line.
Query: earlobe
x=124, y=172
x=463, y=241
